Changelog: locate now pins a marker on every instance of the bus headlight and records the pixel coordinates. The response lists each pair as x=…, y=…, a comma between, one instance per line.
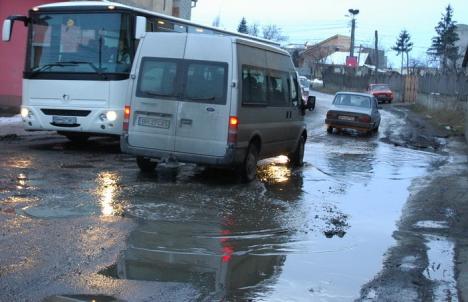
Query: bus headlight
x=24, y=112
x=111, y=116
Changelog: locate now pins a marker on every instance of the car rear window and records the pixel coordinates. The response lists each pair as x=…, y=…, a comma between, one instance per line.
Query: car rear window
x=352, y=100
x=380, y=87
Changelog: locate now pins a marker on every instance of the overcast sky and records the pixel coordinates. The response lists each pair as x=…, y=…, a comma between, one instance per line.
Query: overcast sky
x=314, y=20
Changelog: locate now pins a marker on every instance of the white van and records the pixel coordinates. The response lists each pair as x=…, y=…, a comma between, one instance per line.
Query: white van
x=212, y=100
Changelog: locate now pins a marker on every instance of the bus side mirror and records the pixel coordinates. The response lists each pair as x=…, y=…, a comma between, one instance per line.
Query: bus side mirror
x=8, y=26
x=6, y=32
x=140, y=27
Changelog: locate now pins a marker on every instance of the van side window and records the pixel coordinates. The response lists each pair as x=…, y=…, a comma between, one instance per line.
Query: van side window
x=254, y=86
x=157, y=78
x=278, y=89
x=206, y=82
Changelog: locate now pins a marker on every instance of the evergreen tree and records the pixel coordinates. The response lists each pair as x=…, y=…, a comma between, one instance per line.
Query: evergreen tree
x=242, y=28
x=403, y=46
x=443, y=45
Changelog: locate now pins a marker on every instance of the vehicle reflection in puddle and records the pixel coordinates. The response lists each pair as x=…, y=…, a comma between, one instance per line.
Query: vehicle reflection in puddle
x=293, y=233
x=216, y=261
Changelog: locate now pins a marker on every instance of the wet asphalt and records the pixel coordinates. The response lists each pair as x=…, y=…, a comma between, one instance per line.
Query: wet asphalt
x=80, y=220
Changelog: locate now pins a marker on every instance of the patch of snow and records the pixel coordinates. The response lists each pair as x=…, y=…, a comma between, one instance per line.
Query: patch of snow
x=431, y=224
x=10, y=120
x=441, y=256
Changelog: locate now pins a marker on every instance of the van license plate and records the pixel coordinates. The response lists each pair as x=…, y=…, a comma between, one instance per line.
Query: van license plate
x=64, y=120
x=346, y=118
x=153, y=122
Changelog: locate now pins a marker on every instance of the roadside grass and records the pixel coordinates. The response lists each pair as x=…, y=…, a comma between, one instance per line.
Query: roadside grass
x=443, y=119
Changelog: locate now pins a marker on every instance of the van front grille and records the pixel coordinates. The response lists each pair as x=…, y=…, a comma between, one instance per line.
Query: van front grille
x=65, y=112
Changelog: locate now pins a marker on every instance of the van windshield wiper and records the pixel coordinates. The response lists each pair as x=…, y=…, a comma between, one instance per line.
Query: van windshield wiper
x=154, y=93
x=208, y=98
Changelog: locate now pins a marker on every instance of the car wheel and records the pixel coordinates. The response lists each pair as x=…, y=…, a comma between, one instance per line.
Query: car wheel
x=248, y=171
x=330, y=129
x=77, y=137
x=145, y=164
x=296, y=159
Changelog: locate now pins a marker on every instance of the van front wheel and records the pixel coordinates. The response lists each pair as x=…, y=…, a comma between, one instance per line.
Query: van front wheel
x=145, y=164
x=248, y=169
x=296, y=158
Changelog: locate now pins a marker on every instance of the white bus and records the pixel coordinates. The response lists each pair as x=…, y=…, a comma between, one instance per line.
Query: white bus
x=78, y=63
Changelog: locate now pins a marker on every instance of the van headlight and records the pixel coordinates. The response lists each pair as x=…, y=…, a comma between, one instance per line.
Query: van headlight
x=111, y=116
x=24, y=112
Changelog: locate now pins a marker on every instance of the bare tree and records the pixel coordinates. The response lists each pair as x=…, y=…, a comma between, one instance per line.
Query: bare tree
x=216, y=21
x=274, y=33
x=254, y=30
x=315, y=59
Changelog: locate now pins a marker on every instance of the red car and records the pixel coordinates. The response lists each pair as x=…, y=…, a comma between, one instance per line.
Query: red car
x=382, y=92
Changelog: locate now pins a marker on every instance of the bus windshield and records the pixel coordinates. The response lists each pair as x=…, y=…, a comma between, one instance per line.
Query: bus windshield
x=80, y=43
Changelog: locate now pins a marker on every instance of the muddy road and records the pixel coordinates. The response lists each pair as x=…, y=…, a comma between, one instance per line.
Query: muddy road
x=80, y=221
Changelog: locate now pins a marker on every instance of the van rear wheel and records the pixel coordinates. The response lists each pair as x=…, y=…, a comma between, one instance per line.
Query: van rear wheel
x=248, y=169
x=145, y=164
x=296, y=159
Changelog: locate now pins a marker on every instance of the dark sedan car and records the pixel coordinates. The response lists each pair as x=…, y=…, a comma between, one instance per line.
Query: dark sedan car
x=382, y=92
x=351, y=110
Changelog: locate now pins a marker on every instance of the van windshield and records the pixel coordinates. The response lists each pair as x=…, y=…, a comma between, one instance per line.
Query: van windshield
x=200, y=81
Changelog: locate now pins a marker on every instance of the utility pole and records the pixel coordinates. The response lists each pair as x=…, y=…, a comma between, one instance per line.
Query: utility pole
x=353, y=13
x=376, y=51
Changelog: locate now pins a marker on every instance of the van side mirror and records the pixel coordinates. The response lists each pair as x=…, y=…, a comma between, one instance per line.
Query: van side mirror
x=311, y=102
x=140, y=27
x=6, y=31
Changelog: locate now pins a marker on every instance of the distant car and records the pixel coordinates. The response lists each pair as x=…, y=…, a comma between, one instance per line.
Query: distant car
x=382, y=92
x=309, y=101
x=351, y=110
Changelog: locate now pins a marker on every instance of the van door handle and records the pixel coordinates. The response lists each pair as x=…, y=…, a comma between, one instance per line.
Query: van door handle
x=185, y=121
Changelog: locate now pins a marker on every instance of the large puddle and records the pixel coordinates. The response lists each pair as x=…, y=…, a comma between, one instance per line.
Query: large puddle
x=316, y=233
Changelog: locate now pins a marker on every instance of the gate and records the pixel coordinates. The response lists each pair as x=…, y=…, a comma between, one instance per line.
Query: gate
x=410, y=91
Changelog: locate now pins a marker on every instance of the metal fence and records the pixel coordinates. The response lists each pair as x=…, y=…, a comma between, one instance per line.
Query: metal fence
x=455, y=85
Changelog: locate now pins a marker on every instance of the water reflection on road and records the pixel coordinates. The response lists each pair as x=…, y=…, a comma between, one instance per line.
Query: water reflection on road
x=319, y=232
x=315, y=233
